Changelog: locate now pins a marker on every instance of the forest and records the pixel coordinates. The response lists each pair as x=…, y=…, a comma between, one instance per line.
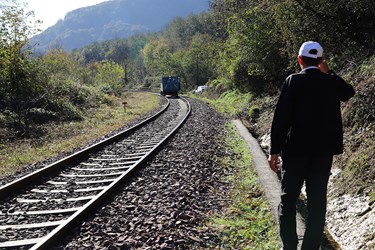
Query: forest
x=238, y=46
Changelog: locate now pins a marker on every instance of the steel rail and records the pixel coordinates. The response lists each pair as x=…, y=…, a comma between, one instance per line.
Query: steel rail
x=79, y=213
x=17, y=185
x=78, y=216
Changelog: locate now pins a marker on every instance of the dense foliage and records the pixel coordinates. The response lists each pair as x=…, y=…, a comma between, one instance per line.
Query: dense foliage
x=249, y=45
x=52, y=87
x=182, y=49
x=246, y=45
x=262, y=38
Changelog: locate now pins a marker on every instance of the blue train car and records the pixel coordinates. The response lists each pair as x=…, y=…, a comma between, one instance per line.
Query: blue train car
x=170, y=85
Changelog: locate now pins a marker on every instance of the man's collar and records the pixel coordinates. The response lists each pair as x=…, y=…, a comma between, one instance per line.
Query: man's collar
x=310, y=67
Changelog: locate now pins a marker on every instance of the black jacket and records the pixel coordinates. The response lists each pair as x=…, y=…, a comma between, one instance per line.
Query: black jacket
x=307, y=119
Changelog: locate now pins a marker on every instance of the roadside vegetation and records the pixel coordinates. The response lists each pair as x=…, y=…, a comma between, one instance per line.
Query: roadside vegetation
x=58, y=138
x=246, y=223
x=231, y=103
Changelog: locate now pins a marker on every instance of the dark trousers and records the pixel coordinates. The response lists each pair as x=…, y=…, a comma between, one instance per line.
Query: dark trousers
x=315, y=172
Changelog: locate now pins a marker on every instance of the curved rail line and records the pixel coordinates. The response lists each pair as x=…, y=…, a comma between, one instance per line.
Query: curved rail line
x=67, y=190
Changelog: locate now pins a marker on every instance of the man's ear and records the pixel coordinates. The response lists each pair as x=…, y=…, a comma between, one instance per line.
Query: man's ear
x=300, y=61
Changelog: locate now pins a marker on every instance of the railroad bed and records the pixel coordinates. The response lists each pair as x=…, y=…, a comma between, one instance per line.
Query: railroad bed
x=165, y=203
x=45, y=207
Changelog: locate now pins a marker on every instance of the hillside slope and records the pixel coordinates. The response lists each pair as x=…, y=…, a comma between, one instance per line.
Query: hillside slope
x=114, y=19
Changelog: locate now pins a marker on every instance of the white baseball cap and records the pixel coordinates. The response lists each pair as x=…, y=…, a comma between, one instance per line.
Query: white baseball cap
x=311, y=49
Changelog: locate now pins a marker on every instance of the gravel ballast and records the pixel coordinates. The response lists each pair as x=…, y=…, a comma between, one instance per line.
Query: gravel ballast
x=165, y=204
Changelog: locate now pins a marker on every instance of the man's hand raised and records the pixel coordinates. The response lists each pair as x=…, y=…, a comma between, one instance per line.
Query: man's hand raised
x=323, y=66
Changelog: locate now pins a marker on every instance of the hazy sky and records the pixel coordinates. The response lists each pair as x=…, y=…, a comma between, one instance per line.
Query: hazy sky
x=50, y=11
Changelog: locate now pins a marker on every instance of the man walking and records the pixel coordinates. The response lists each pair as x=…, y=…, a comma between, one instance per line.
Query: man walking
x=307, y=131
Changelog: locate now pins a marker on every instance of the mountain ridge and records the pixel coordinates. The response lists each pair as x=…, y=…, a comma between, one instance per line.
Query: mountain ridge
x=113, y=19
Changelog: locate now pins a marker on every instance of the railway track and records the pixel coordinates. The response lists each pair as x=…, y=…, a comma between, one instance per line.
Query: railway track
x=38, y=209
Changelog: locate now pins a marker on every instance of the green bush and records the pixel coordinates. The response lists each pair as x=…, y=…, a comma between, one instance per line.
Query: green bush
x=254, y=112
x=40, y=115
x=67, y=111
x=84, y=96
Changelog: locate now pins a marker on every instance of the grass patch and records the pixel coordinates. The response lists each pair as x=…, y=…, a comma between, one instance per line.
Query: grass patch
x=64, y=137
x=247, y=222
x=231, y=102
x=355, y=164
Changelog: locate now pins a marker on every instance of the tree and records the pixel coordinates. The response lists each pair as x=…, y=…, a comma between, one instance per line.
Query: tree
x=157, y=58
x=345, y=29
x=119, y=52
x=20, y=78
x=93, y=53
x=196, y=61
x=109, y=75
x=250, y=55
x=180, y=32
